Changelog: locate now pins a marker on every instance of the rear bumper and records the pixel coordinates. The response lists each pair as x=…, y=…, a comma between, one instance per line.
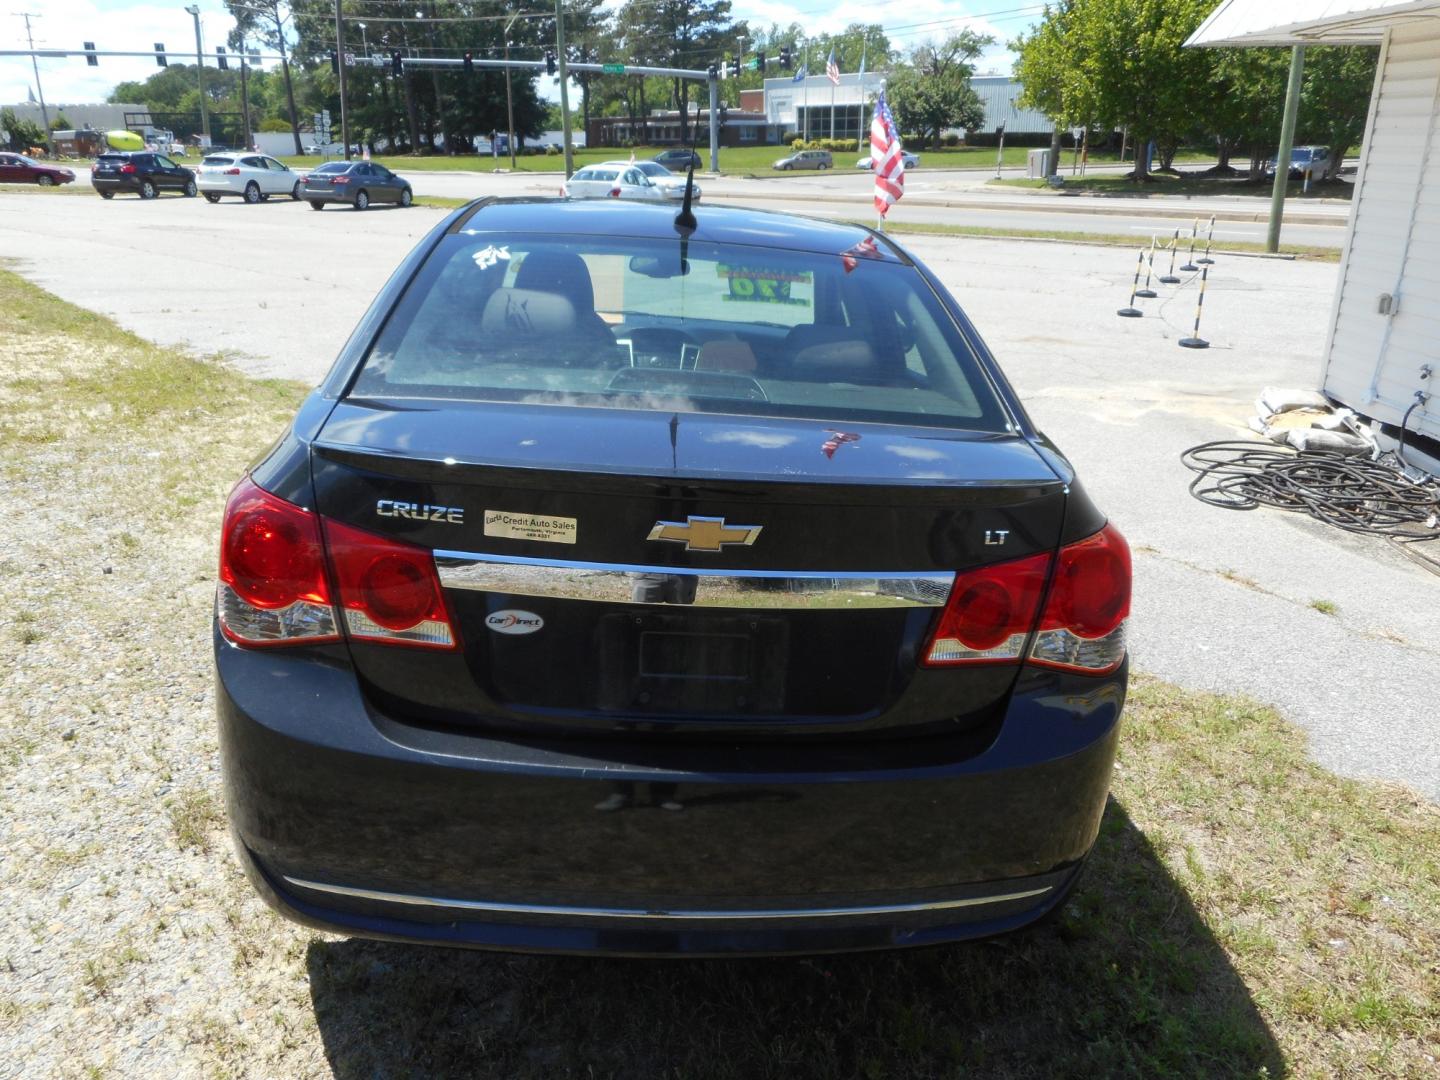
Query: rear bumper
x=348, y=821
x=223, y=185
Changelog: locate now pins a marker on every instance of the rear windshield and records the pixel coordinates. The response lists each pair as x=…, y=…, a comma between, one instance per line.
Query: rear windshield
x=604, y=321
x=334, y=167
x=113, y=157
x=218, y=161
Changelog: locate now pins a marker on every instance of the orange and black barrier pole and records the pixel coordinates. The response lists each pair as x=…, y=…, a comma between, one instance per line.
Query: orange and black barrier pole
x=1195, y=341
x=1190, y=267
x=1148, y=292
x=1170, y=278
x=1131, y=311
x=1209, y=235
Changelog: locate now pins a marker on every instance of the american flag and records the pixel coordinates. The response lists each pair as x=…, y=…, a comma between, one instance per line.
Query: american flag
x=832, y=69
x=887, y=160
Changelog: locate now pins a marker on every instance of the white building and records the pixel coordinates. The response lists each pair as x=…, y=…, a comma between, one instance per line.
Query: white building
x=817, y=108
x=1384, y=335
x=98, y=117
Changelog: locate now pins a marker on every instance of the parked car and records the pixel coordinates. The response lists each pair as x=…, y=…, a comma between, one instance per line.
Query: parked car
x=629, y=591
x=616, y=180
x=670, y=185
x=910, y=161
x=19, y=169
x=358, y=183
x=1312, y=159
x=806, y=159
x=252, y=177
x=145, y=172
x=678, y=159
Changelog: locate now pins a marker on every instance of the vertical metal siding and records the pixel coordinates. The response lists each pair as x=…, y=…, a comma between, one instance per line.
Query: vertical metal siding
x=1373, y=361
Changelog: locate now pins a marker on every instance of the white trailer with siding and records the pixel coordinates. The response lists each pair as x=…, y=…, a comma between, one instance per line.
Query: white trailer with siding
x=1382, y=352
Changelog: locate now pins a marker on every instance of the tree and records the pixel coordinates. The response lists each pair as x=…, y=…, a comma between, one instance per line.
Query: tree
x=265, y=19
x=23, y=133
x=932, y=91
x=1335, y=100
x=1121, y=62
x=677, y=34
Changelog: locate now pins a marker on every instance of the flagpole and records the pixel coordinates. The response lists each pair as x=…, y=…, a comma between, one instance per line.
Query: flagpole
x=860, y=95
x=806, y=67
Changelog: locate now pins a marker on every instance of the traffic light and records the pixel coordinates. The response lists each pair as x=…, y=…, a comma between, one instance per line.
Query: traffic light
x=724, y=113
x=786, y=61
x=550, y=62
x=160, y=60
x=734, y=67
x=334, y=62
x=91, y=60
x=713, y=71
x=469, y=63
x=220, y=58
x=760, y=61
x=397, y=65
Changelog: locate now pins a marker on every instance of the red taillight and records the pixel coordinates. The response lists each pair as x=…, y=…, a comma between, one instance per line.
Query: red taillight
x=614, y=193
x=232, y=172
x=273, y=589
x=991, y=611
x=1083, y=627
x=389, y=590
x=340, y=180
x=127, y=168
x=989, y=614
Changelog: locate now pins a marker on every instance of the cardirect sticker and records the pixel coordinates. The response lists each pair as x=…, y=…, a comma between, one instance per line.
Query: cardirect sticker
x=511, y=621
x=546, y=529
x=757, y=285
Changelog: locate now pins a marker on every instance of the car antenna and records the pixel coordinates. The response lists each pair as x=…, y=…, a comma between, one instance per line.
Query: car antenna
x=685, y=222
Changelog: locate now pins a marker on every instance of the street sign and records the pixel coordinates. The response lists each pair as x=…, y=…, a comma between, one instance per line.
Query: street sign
x=349, y=59
x=613, y=69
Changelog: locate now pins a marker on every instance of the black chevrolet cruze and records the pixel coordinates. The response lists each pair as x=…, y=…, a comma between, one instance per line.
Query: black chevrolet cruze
x=647, y=590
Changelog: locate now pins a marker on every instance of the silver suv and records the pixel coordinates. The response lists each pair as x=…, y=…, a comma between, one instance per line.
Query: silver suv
x=806, y=159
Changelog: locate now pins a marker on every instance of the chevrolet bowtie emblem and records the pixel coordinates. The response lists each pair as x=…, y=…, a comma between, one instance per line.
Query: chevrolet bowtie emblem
x=704, y=533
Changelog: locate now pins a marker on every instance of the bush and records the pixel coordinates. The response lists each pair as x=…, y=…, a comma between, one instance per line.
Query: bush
x=797, y=143
x=552, y=151
x=274, y=123
x=952, y=139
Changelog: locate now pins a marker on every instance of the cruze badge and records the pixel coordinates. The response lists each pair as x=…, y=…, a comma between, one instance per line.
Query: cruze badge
x=394, y=508
x=704, y=533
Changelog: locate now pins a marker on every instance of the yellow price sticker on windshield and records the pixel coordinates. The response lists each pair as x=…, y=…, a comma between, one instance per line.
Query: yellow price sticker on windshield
x=757, y=285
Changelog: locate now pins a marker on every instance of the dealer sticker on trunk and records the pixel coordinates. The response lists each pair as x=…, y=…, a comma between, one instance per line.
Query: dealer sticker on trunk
x=549, y=530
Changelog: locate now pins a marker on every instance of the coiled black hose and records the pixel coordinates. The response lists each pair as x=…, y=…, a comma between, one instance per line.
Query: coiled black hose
x=1349, y=492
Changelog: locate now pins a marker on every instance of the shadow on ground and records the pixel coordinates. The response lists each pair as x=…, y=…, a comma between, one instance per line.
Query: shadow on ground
x=1129, y=981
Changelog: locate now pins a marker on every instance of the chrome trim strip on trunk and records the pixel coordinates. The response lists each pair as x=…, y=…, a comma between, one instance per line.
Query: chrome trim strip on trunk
x=677, y=914
x=614, y=583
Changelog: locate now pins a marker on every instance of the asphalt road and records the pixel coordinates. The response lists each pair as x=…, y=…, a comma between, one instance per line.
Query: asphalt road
x=1222, y=598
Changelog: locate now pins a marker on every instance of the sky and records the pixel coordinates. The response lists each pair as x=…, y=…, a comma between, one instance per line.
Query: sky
x=138, y=24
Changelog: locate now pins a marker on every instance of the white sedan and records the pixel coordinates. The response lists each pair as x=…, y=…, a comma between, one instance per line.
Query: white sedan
x=253, y=177
x=911, y=161
x=672, y=184
x=616, y=181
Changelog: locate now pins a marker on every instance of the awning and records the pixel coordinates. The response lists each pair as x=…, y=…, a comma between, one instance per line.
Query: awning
x=1301, y=22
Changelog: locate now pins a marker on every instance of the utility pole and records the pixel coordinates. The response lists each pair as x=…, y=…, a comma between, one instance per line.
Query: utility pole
x=340, y=63
x=1287, y=142
x=564, y=93
x=194, y=10
x=34, y=63
x=509, y=100
x=245, y=95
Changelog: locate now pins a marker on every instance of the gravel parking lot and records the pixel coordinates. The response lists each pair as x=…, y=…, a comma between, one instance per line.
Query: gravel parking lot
x=1223, y=600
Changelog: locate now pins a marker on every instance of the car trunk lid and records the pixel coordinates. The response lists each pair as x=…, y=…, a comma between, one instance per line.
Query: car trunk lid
x=716, y=575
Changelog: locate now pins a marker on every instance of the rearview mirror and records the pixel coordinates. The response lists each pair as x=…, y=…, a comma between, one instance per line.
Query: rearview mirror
x=655, y=266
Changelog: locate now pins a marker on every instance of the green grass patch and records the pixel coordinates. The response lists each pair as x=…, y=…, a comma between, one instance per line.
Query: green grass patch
x=1246, y=247
x=1184, y=184
x=74, y=372
x=734, y=160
